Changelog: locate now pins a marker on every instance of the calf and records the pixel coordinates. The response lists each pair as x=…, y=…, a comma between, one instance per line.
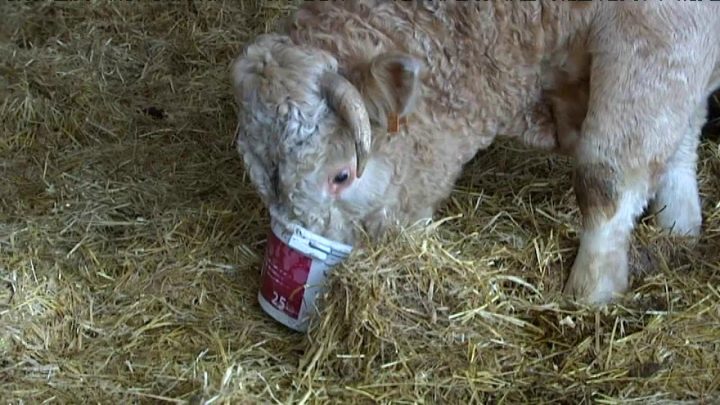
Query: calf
x=360, y=115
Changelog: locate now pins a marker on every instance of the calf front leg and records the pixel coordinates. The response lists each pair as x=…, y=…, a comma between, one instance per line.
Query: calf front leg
x=677, y=202
x=610, y=201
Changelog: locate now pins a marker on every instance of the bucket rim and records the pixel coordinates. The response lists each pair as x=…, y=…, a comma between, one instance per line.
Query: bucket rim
x=296, y=231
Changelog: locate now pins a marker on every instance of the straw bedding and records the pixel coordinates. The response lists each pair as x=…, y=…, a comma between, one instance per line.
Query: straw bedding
x=131, y=243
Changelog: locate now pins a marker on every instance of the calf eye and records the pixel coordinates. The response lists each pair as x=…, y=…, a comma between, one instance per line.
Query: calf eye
x=341, y=177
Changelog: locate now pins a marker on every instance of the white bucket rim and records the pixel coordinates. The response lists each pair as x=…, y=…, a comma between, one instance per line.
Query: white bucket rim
x=311, y=243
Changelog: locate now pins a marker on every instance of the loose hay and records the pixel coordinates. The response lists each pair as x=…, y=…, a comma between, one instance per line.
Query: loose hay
x=131, y=245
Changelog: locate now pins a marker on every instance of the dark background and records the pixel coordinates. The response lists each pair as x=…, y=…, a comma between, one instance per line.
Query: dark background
x=711, y=129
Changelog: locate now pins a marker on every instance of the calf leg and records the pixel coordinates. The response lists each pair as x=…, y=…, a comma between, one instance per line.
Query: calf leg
x=677, y=201
x=642, y=96
x=610, y=201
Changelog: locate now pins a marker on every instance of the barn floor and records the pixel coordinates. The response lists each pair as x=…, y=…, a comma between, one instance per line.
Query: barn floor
x=130, y=246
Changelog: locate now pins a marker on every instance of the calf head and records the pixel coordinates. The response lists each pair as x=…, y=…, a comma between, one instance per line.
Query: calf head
x=306, y=132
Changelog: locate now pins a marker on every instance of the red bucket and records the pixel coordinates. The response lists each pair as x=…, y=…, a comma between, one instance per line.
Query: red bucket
x=294, y=270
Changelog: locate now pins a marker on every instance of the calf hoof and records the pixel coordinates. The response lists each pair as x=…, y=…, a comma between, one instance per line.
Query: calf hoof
x=598, y=279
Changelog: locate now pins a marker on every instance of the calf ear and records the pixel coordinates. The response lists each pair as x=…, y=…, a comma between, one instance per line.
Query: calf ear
x=396, y=77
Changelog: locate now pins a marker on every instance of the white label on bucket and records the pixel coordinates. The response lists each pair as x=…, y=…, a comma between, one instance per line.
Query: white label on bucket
x=318, y=247
x=300, y=242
